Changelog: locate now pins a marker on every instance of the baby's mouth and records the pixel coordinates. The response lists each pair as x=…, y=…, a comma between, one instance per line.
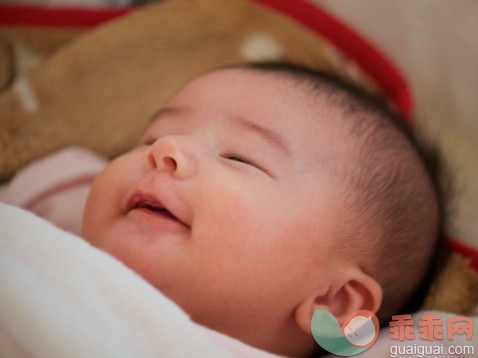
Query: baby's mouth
x=155, y=208
x=139, y=201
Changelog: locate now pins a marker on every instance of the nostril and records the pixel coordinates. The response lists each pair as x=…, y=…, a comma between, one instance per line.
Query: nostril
x=170, y=163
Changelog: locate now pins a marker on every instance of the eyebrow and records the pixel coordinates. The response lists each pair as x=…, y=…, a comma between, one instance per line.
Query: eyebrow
x=268, y=134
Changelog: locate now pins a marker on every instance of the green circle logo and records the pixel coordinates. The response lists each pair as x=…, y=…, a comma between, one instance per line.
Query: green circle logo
x=358, y=333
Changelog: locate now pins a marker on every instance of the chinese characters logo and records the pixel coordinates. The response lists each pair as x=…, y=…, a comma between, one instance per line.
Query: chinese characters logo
x=430, y=327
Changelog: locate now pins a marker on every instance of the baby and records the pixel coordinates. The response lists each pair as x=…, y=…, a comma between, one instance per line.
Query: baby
x=262, y=192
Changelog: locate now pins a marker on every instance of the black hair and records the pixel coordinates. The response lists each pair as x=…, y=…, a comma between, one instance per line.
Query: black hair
x=381, y=127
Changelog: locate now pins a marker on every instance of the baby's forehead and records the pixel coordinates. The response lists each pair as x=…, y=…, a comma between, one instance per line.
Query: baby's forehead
x=251, y=86
x=304, y=117
x=263, y=93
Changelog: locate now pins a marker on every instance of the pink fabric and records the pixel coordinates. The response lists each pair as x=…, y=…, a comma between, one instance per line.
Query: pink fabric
x=56, y=187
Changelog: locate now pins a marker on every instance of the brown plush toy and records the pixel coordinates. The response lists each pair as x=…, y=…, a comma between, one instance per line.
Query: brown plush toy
x=98, y=88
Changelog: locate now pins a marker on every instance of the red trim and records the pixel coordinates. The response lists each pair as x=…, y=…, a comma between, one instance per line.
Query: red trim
x=466, y=250
x=15, y=15
x=353, y=46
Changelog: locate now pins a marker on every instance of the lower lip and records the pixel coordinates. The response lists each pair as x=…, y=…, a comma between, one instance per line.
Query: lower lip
x=160, y=222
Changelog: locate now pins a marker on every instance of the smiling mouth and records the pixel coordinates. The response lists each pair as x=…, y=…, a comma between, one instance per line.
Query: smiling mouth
x=151, y=205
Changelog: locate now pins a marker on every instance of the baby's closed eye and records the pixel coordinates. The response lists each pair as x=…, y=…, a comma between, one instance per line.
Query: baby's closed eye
x=245, y=160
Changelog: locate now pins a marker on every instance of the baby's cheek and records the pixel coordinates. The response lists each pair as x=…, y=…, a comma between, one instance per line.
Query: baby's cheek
x=89, y=215
x=236, y=214
x=104, y=201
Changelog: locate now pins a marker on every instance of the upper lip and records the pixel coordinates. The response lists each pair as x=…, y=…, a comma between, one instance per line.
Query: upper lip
x=148, y=201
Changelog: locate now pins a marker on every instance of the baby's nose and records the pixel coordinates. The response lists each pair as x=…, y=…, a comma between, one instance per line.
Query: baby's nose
x=172, y=154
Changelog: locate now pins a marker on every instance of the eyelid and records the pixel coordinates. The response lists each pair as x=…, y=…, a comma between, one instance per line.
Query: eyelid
x=242, y=159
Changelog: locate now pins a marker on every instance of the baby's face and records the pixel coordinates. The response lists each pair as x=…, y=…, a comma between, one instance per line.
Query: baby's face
x=224, y=205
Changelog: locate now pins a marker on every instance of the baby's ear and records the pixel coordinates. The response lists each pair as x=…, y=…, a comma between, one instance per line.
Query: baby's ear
x=358, y=291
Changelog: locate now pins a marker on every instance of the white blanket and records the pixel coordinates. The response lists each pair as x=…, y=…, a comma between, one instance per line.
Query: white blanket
x=60, y=297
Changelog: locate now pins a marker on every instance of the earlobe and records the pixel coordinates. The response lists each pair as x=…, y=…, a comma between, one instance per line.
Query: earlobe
x=359, y=292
